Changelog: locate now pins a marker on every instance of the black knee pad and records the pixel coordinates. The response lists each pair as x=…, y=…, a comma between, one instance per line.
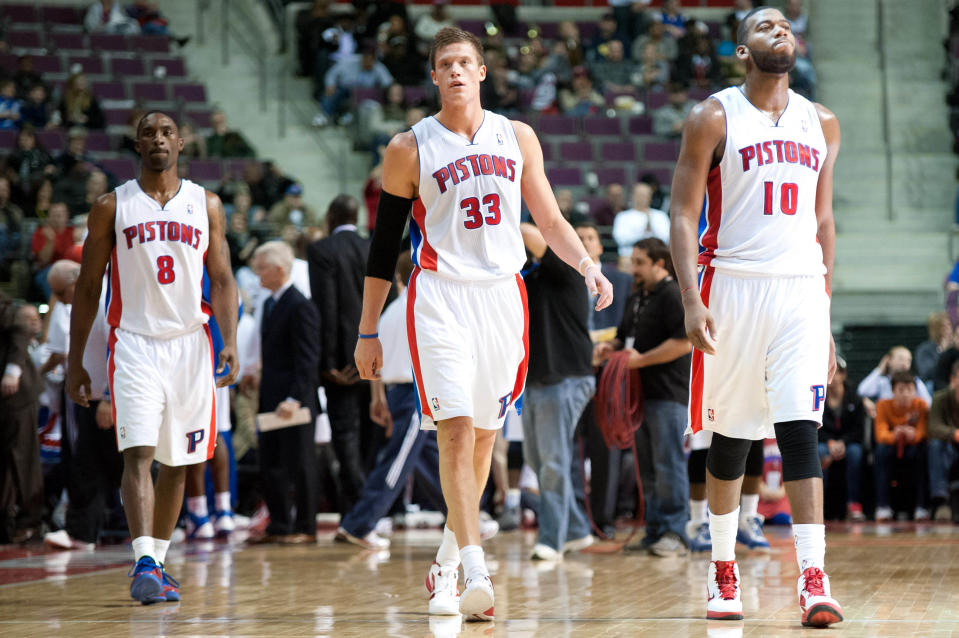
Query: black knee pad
x=696, y=466
x=727, y=457
x=754, y=460
x=799, y=444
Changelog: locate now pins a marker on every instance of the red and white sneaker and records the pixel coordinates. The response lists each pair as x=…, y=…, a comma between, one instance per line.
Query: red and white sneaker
x=444, y=591
x=819, y=609
x=723, y=600
x=476, y=601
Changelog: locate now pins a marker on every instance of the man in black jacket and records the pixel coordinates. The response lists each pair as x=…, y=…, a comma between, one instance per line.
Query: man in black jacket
x=840, y=437
x=337, y=266
x=290, y=351
x=21, y=479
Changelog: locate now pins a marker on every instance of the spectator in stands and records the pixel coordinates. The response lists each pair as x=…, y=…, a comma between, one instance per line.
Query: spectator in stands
x=697, y=64
x=841, y=434
x=742, y=7
x=668, y=119
x=673, y=20
x=900, y=433
x=129, y=138
x=878, y=383
x=572, y=211
x=380, y=120
x=194, y=146
x=357, y=71
x=151, y=22
x=498, y=92
x=42, y=199
x=559, y=386
x=631, y=18
x=797, y=16
x=929, y=351
x=241, y=241
x=640, y=221
x=944, y=365
x=606, y=211
x=79, y=107
x=335, y=43
x=944, y=449
x=653, y=69
x=51, y=242
x=580, y=99
x=31, y=162
x=396, y=47
x=97, y=187
x=26, y=77
x=292, y=210
x=9, y=105
x=660, y=198
x=802, y=78
x=11, y=217
x=606, y=32
x=226, y=142
x=73, y=169
x=310, y=25
x=106, y=16
x=429, y=24
x=614, y=73
x=666, y=47
x=35, y=110
x=570, y=42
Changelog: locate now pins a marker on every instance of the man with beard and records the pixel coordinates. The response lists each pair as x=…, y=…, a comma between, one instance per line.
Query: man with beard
x=758, y=317
x=157, y=233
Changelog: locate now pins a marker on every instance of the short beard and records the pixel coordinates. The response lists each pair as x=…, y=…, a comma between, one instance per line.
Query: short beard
x=769, y=62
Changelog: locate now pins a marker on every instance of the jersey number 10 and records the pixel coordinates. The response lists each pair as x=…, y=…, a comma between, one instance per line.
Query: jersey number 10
x=788, y=196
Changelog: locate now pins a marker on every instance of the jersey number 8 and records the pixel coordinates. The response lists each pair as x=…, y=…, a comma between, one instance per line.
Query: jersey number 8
x=472, y=207
x=165, y=274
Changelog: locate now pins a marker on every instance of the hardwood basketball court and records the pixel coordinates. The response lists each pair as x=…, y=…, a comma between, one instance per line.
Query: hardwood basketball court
x=892, y=580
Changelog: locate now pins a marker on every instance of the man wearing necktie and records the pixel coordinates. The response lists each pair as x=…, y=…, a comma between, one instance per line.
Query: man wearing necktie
x=290, y=352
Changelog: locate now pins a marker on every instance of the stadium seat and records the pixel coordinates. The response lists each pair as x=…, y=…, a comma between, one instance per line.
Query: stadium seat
x=107, y=42
x=206, y=170
x=190, y=92
x=123, y=168
x=611, y=175
x=198, y=117
x=51, y=140
x=150, y=92
x=556, y=125
x=149, y=44
x=116, y=117
x=25, y=38
x=98, y=141
x=59, y=14
x=44, y=64
x=618, y=152
x=602, y=126
x=565, y=176
x=576, y=152
x=123, y=67
x=660, y=151
x=110, y=90
x=91, y=64
x=67, y=40
x=8, y=139
x=640, y=125
x=175, y=68
x=19, y=13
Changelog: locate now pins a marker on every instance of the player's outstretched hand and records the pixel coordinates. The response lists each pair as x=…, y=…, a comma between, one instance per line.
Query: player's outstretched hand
x=78, y=385
x=227, y=359
x=369, y=358
x=597, y=283
x=700, y=326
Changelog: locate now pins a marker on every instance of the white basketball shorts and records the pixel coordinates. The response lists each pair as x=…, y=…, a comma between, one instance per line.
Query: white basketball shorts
x=771, y=357
x=469, y=343
x=223, y=409
x=162, y=392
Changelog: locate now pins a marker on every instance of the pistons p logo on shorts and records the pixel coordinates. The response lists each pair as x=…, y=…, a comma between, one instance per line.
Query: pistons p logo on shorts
x=193, y=439
x=818, y=395
x=435, y=403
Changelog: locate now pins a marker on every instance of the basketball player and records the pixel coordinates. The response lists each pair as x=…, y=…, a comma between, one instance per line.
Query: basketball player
x=466, y=314
x=157, y=233
x=759, y=318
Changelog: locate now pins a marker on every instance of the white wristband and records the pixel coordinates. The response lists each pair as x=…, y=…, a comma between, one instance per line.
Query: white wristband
x=585, y=259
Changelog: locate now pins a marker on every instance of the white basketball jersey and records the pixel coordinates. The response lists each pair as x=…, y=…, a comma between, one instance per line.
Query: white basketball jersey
x=156, y=269
x=468, y=225
x=761, y=199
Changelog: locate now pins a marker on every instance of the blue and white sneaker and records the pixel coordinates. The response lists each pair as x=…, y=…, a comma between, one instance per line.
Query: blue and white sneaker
x=147, y=585
x=750, y=532
x=699, y=538
x=171, y=588
x=199, y=527
x=224, y=525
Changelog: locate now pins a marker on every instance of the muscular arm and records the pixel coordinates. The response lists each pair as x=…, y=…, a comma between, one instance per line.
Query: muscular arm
x=826, y=228
x=704, y=136
x=223, y=295
x=401, y=179
x=557, y=232
x=97, y=248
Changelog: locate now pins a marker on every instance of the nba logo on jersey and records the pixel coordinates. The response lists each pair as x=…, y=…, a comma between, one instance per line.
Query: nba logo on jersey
x=710, y=414
x=436, y=403
x=189, y=209
x=499, y=139
x=805, y=126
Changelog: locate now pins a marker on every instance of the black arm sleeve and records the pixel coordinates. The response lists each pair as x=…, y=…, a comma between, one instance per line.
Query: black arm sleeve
x=391, y=215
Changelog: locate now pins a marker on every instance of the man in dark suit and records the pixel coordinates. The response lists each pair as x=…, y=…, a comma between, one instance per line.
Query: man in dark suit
x=337, y=267
x=290, y=349
x=21, y=479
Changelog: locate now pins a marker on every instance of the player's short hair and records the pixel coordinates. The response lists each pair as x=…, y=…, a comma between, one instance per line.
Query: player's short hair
x=586, y=223
x=276, y=252
x=149, y=113
x=741, y=31
x=902, y=377
x=452, y=35
x=404, y=266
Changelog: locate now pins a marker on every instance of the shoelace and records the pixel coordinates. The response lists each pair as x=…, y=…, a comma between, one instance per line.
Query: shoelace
x=814, y=584
x=136, y=569
x=726, y=579
x=170, y=580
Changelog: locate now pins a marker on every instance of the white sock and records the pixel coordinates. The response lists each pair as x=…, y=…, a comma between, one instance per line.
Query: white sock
x=143, y=546
x=196, y=505
x=448, y=555
x=722, y=531
x=749, y=504
x=223, y=502
x=697, y=511
x=159, y=548
x=512, y=498
x=474, y=562
x=810, y=545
